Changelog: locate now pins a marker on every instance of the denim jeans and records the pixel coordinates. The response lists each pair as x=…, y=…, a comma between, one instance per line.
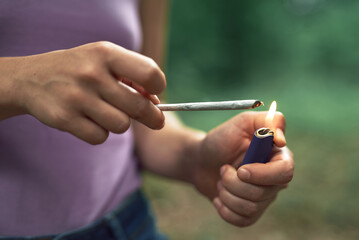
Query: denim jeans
x=131, y=221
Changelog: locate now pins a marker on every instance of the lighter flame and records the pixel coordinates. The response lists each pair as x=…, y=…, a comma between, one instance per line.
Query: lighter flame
x=270, y=114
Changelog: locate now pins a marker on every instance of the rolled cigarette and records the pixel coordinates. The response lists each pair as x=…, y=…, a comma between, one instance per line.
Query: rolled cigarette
x=209, y=106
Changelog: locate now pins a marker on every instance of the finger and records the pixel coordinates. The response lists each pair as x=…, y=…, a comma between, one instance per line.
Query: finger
x=231, y=183
x=133, y=104
x=141, y=90
x=107, y=116
x=279, y=122
x=140, y=69
x=279, y=138
x=246, y=123
x=242, y=206
x=258, y=118
x=232, y=217
x=283, y=153
x=87, y=130
x=272, y=173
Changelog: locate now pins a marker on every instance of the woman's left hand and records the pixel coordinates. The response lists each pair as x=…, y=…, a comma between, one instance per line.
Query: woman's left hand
x=241, y=195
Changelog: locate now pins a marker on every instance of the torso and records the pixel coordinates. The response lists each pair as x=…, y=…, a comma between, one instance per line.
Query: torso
x=50, y=181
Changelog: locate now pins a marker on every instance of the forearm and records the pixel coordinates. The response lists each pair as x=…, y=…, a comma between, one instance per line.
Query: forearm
x=172, y=151
x=154, y=29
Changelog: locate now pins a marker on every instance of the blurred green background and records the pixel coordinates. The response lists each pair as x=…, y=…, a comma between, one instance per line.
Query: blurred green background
x=305, y=55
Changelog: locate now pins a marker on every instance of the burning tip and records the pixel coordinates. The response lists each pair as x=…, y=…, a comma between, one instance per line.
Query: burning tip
x=257, y=104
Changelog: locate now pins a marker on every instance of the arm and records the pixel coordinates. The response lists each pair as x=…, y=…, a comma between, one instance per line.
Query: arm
x=209, y=161
x=177, y=137
x=169, y=152
x=10, y=101
x=154, y=14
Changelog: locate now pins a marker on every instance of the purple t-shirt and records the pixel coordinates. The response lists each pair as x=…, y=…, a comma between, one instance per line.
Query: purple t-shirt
x=50, y=181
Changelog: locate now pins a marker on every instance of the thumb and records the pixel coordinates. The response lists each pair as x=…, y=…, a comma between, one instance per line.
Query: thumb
x=279, y=138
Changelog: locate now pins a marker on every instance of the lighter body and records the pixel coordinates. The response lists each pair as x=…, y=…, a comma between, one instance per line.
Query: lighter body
x=260, y=148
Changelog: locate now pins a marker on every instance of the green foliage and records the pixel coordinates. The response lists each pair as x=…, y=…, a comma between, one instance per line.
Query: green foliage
x=307, y=60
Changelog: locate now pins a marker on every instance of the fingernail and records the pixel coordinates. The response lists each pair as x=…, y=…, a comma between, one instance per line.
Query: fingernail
x=222, y=170
x=244, y=174
x=157, y=100
x=217, y=202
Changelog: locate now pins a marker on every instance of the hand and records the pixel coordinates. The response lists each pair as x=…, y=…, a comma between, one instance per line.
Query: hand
x=241, y=196
x=89, y=90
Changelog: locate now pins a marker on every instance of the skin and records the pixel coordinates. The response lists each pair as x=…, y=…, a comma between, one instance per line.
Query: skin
x=209, y=161
x=84, y=90
x=242, y=194
x=97, y=88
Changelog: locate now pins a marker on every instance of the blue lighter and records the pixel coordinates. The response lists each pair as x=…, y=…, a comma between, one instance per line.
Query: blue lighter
x=260, y=147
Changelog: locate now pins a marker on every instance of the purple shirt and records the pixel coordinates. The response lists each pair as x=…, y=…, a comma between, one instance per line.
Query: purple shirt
x=50, y=181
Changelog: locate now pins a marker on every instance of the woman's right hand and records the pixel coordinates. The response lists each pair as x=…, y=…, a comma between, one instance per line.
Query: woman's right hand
x=87, y=91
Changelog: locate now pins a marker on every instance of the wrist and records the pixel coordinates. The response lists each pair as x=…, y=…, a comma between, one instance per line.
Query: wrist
x=192, y=155
x=11, y=102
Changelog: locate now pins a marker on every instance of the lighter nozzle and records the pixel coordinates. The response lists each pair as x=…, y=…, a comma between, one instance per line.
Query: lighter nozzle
x=264, y=132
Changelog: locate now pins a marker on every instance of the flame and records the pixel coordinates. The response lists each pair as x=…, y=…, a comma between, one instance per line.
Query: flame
x=270, y=114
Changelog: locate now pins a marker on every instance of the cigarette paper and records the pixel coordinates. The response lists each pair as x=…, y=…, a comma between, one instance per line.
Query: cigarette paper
x=202, y=106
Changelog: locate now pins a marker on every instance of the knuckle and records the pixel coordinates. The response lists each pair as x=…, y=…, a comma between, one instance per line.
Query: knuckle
x=256, y=194
x=124, y=125
x=92, y=59
x=151, y=71
x=226, y=214
x=239, y=221
x=73, y=96
x=222, y=194
x=102, y=47
x=246, y=114
x=89, y=71
x=97, y=137
x=140, y=108
x=288, y=172
x=250, y=208
x=243, y=116
x=153, y=75
x=227, y=179
x=60, y=119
